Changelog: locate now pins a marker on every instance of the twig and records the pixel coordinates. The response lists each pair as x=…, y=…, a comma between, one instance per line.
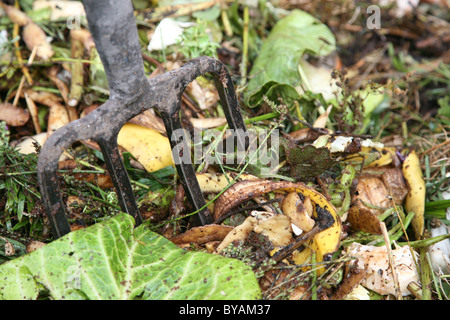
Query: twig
x=19, y=54
x=22, y=80
x=436, y=147
x=62, y=87
x=263, y=117
x=391, y=260
x=33, y=112
x=301, y=240
x=324, y=188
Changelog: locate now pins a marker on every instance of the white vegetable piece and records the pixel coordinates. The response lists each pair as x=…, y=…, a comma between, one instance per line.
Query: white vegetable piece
x=440, y=252
x=358, y=293
x=167, y=33
x=375, y=261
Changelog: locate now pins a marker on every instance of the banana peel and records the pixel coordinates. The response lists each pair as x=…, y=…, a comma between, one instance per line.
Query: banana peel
x=387, y=155
x=325, y=242
x=149, y=147
x=217, y=182
x=298, y=211
x=384, y=156
x=415, y=199
x=373, y=154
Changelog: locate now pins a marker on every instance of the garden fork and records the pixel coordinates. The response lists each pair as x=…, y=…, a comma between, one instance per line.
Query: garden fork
x=113, y=27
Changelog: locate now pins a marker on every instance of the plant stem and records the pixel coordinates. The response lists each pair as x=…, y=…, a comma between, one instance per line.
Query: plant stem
x=262, y=117
x=391, y=260
x=314, y=278
x=425, y=243
x=72, y=60
x=425, y=276
x=76, y=87
x=244, y=48
x=226, y=23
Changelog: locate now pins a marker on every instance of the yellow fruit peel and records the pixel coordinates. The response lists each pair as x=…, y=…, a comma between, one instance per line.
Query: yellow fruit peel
x=325, y=242
x=217, y=182
x=149, y=147
x=385, y=156
x=415, y=199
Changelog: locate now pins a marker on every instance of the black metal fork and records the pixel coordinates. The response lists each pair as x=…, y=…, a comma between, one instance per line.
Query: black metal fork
x=113, y=27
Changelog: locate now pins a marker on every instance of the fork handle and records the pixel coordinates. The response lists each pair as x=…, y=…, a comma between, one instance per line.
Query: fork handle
x=113, y=27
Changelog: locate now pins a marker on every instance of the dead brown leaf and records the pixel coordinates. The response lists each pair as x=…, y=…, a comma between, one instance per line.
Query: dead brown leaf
x=149, y=120
x=372, y=191
x=34, y=36
x=208, y=123
x=355, y=277
x=395, y=184
x=102, y=180
x=34, y=245
x=68, y=164
x=85, y=37
x=13, y=115
x=304, y=135
x=58, y=115
x=363, y=220
x=203, y=234
x=16, y=16
x=378, y=192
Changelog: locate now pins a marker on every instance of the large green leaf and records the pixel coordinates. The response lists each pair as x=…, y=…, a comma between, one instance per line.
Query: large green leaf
x=275, y=70
x=111, y=260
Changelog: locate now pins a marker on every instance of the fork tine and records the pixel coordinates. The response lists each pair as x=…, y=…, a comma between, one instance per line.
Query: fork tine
x=185, y=169
x=48, y=180
x=119, y=177
x=230, y=105
x=171, y=117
